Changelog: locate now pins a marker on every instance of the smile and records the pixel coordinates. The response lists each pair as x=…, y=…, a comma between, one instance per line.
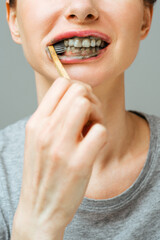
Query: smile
x=81, y=46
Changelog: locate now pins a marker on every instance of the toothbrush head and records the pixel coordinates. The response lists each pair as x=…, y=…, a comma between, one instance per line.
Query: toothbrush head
x=60, y=48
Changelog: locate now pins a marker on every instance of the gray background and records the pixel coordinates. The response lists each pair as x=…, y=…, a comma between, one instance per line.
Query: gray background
x=17, y=87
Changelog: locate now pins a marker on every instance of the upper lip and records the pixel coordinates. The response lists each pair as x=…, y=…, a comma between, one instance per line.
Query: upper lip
x=85, y=33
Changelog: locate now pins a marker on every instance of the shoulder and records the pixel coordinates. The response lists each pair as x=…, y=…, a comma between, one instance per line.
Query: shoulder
x=12, y=140
x=154, y=146
x=13, y=132
x=153, y=122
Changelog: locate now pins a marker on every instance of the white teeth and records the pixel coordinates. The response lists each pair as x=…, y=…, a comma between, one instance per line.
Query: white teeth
x=71, y=42
x=77, y=42
x=82, y=50
x=68, y=49
x=98, y=43
x=66, y=43
x=86, y=43
x=88, y=51
x=82, y=56
x=93, y=43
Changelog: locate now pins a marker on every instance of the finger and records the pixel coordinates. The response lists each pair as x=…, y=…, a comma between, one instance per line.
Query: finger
x=89, y=88
x=53, y=96
x=75, y=90
x=93, y=142
x=81, y=112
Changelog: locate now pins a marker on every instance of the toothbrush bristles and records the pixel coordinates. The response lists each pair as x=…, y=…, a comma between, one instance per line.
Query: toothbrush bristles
x=59, y=48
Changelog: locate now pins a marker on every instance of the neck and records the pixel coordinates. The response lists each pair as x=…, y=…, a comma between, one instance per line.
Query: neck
x=119, y=122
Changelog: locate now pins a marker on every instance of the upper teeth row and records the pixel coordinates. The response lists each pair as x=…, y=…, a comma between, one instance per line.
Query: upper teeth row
x=83, y=42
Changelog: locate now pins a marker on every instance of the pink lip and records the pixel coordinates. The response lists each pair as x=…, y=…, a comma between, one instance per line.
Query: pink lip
x=85, y=33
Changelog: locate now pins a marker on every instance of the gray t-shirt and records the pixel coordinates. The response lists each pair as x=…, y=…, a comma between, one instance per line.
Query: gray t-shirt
x=133, y=215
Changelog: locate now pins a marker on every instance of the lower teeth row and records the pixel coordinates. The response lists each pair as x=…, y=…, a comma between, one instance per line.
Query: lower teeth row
x=79, y=57
x=82, y=50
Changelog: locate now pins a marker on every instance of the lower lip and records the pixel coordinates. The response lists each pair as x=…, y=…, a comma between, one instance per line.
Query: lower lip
x=91, y=59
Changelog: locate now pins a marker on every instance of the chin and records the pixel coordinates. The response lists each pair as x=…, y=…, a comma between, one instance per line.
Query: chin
x=90, y=79
x=86, y=75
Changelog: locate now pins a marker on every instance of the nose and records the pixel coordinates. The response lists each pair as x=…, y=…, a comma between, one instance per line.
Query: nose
x=81, y=12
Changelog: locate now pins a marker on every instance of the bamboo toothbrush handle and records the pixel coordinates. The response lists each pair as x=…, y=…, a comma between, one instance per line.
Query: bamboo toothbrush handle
x=60, y=69
x=57, y=62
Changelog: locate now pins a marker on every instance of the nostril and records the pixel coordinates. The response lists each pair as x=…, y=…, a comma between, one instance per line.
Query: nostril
x=72, y=16
x=90, y=16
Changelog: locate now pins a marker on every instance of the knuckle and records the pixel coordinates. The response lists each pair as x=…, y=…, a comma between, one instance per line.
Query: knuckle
x=58, y=149
x=80, y=89
x=75, y=168
x=78, y=168
x=85, y=85
x=30, y=125
x=63, y=81
x=56, y=154
x=42, y=141
x=43, y=137
x=83, y=103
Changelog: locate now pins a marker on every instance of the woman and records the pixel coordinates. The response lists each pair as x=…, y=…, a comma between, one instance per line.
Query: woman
x=90, y=168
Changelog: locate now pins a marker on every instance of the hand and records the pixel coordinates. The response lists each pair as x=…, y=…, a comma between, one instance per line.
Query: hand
x=60, y=150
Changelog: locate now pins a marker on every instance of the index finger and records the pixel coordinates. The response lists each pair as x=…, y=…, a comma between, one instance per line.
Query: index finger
x=53, y=96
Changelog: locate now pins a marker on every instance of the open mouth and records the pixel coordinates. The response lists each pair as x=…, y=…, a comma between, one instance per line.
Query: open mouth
x=79, y=47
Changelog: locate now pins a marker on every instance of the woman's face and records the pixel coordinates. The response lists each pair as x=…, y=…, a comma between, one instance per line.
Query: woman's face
x=40, y=21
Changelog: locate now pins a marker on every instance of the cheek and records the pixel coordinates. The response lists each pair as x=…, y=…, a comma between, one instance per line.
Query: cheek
x=35, y=19
x=28, y=29
x=128, y=29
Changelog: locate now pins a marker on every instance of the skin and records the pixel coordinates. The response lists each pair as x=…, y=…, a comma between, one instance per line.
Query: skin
x=120, y=139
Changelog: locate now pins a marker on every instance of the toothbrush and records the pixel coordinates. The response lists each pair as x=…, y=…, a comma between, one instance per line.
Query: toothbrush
x=63, y=73
x=56, y=60
x=60, y=48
